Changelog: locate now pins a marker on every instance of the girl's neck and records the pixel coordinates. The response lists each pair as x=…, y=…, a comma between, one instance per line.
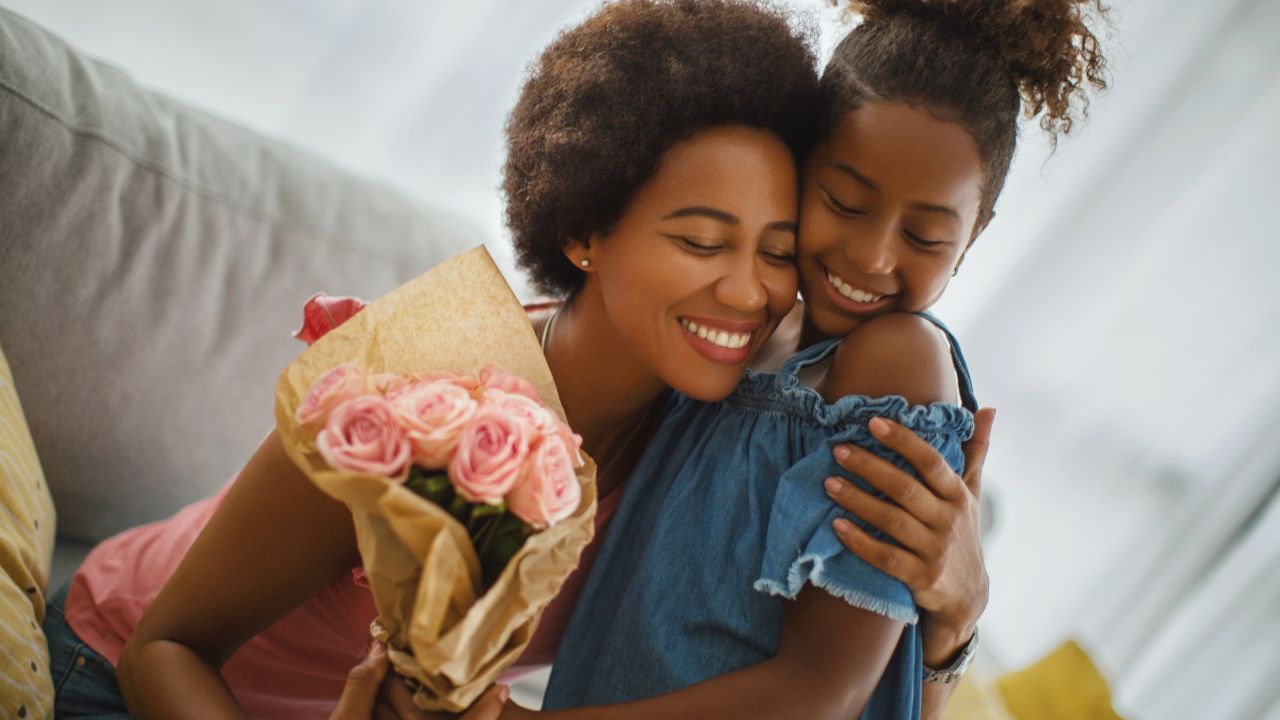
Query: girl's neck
x=608, y=396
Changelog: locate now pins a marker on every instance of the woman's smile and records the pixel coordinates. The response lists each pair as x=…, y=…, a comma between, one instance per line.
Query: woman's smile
x=722, y=341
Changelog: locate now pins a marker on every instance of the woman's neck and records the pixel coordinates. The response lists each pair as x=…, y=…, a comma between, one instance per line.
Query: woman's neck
x=608, y=395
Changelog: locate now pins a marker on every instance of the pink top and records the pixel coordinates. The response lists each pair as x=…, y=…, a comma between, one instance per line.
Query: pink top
x=297, y=667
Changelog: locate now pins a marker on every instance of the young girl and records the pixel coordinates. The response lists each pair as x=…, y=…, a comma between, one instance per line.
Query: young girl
x=720, y=583
x=245, y=603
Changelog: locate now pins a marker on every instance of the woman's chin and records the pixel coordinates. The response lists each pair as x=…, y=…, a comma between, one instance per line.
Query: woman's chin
x=707, y=389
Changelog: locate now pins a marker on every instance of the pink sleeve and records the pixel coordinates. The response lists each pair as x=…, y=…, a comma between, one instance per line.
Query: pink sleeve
x=323, y=313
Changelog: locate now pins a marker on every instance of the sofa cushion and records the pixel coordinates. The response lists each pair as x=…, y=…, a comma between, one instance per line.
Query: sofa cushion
x=26, y=546
x=153, y=262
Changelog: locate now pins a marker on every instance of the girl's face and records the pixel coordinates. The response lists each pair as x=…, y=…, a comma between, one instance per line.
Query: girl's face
x=700, y=268
x=889, y=206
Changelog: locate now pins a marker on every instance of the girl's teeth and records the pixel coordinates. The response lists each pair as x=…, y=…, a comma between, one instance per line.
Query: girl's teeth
x=733, y=341
x=850, y=291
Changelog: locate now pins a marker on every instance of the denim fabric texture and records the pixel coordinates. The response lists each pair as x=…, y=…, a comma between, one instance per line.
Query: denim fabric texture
x=84, y=682
x=723, y=520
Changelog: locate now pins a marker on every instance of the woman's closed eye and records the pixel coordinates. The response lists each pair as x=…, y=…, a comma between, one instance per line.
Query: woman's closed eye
x=701, y=246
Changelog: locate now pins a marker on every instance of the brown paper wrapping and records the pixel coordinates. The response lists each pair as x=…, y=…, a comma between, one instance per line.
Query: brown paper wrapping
x=424, y=574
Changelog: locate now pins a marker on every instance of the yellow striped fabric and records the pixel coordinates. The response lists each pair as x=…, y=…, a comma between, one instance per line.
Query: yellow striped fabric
x=26, y=549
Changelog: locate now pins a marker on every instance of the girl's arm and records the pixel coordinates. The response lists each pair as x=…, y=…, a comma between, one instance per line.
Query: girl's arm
x=817, y=673
x=937, y=520
x=943, y=566
x=275, y=541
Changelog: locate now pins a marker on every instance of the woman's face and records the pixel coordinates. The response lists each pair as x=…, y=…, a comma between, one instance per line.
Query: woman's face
x=889, y=206
x=700, y=268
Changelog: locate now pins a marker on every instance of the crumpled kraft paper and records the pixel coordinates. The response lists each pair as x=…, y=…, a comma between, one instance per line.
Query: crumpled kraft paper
x=424, y=574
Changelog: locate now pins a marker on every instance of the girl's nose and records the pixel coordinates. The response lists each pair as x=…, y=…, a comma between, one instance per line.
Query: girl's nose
x=872, y=252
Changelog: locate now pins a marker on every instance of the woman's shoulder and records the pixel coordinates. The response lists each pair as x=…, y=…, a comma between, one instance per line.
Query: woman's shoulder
x=895, y=354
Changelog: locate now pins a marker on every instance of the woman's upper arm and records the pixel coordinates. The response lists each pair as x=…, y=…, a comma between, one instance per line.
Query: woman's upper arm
x=275, y=541
x=895, y=354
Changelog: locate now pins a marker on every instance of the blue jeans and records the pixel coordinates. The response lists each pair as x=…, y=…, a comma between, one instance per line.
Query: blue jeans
x=84, y=682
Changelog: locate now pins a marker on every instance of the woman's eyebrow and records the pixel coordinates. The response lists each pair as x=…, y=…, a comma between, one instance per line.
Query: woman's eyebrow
x=866, y=182
x=702, y=210
x=783, y=225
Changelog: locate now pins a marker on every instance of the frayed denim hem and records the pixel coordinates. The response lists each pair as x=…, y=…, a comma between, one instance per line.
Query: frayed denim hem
x=797, y=577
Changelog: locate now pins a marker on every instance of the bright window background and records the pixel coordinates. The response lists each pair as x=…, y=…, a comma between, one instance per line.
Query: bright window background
x=1123, y=311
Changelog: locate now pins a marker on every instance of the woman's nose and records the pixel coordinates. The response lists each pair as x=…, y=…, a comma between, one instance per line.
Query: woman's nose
x=741, y=287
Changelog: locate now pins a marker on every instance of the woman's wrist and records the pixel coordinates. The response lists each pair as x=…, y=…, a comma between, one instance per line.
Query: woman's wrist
x=943, y=642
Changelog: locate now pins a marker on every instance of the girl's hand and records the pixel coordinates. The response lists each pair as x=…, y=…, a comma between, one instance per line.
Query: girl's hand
x=374, y=692
x=935, y=520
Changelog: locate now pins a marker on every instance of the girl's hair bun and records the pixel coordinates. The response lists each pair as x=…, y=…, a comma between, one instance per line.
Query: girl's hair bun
x=1047, y=45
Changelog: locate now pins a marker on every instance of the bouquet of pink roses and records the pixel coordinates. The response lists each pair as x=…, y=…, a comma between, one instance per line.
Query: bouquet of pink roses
x=485, y=448
x=432, y=415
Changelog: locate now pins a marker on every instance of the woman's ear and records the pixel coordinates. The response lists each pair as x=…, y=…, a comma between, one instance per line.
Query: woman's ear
x=579, y=253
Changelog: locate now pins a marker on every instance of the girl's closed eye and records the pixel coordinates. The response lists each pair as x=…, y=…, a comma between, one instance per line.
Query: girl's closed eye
x=924, y=242
x=839, y=206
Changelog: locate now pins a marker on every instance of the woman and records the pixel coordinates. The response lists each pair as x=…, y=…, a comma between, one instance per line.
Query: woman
x=272, y=563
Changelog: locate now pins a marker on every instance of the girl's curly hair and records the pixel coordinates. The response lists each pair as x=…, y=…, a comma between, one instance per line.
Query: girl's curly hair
x=974, y=63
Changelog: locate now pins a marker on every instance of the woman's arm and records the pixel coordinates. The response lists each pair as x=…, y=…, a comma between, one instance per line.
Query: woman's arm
x=817, y=672
x=275, y=541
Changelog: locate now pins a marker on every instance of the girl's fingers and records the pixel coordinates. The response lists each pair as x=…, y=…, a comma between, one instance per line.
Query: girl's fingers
x=975, y=451
x=891, y=559
x=894, y=482
x=888, y=518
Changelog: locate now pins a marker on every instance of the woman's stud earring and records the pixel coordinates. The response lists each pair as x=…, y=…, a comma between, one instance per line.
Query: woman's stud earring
x=586, y=262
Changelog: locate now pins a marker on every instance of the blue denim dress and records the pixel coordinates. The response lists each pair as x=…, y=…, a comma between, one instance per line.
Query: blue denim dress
x=723, y=520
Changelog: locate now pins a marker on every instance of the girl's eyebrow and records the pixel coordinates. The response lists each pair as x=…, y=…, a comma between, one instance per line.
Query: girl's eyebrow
x=917, y=205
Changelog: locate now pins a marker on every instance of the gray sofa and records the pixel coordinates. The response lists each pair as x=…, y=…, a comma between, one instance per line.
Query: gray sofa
x=153, y=263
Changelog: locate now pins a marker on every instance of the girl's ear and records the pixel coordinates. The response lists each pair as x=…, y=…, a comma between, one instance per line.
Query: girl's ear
x=982, y=225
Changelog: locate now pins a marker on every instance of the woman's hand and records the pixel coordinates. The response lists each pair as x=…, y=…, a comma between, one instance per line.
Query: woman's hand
x=374, y=692
x=935, y=520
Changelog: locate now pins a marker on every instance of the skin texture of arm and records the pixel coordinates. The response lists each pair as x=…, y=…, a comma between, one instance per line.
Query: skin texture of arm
x=275, y=541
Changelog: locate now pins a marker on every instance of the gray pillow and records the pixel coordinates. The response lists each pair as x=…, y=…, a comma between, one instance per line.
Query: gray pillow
x=153, y=263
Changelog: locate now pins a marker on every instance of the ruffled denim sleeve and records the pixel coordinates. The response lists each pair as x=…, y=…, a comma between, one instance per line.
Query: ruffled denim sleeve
x=801, y=546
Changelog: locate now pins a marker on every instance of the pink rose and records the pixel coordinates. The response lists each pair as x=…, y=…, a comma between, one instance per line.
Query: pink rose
x=466, y=382
x=363, y=435
x=549, y=491
x=543, y=420
x=335, y=387
x=434, y=414
x=323, y=313
x=490, y=455
x=389, y=385
x=497, y=378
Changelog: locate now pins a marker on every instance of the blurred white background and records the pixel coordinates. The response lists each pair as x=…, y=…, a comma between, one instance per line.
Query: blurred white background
x=1122, y=312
